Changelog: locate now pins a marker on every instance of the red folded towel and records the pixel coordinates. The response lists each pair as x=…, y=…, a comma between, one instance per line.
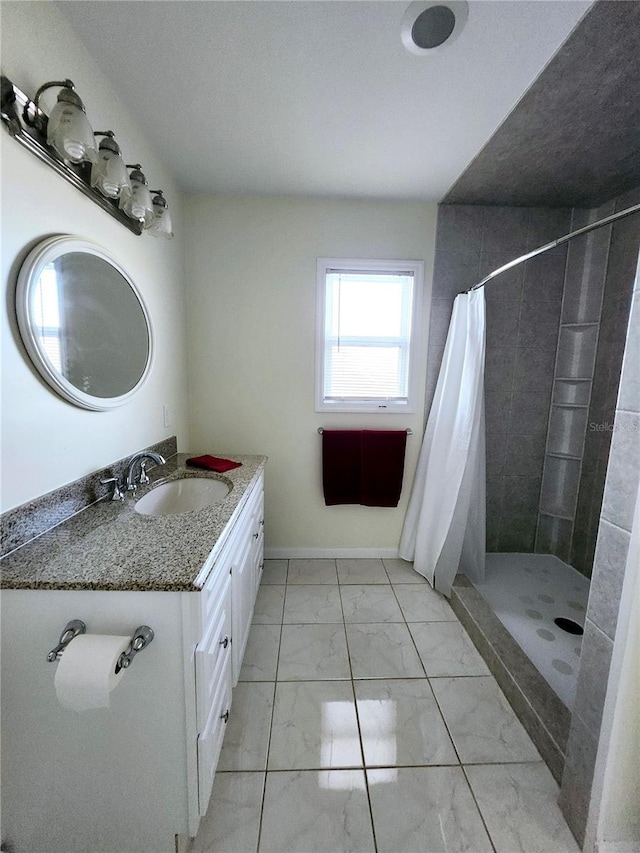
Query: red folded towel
x=213, y=463
x=363, y=466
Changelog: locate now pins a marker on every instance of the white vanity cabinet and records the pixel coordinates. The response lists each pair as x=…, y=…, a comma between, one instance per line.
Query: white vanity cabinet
x=225, y=611
x=133, y=777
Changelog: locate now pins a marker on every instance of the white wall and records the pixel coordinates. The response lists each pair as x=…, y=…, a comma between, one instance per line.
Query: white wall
x=251, y=272
x=47, y=442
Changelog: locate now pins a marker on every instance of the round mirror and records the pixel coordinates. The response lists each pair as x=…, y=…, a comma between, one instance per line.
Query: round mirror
x=83, y=323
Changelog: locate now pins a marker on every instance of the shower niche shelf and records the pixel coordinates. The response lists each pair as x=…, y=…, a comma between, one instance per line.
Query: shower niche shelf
x=559, y=490
x=577, y=351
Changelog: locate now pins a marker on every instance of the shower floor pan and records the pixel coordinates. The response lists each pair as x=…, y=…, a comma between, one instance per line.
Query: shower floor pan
x=522, y=661
x=528, y=592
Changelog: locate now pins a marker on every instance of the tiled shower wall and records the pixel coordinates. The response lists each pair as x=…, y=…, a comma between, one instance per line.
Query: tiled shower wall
x=527, y=309
x=614, y=535
x=523, y=317
x=618, y=289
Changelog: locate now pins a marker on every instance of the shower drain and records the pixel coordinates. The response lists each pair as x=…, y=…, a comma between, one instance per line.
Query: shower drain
x=569, y=625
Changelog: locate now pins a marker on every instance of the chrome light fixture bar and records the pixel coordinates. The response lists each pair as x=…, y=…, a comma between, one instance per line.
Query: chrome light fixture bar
x=65, y=142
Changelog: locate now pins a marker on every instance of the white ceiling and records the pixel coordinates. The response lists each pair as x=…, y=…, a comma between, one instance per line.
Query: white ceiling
x=317, y=98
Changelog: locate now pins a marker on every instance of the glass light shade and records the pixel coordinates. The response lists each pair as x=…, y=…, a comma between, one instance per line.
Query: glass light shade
x=109, y=174
x=137, y=204
x=161, y=225
x=70, y=133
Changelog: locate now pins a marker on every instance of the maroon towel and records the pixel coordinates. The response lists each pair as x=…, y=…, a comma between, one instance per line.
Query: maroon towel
x=341, y=466
x=213, y=463
x=363, y=466
x=382, y=466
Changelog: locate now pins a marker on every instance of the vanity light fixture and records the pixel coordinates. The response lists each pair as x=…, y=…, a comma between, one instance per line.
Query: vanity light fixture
x=137, y=203
x=68, y=128
x=109, y=173
x=66, y=142
x=161, y=225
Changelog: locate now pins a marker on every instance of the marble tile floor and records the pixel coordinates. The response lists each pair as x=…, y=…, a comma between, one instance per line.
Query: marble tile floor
x=365, y=720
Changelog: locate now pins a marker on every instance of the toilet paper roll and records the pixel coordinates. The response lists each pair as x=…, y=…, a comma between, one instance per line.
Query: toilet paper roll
x=86, y=672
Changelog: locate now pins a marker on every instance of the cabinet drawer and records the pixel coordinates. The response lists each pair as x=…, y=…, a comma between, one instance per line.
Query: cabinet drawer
x=210, y=739
x=212, y=651
x=214, y=589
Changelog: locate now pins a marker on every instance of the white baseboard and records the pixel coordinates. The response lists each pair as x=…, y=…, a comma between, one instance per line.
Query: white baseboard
x=618, y=847
x=328, y=553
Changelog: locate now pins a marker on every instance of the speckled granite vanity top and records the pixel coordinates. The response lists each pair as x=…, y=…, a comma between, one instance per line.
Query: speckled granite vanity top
x=111, y=546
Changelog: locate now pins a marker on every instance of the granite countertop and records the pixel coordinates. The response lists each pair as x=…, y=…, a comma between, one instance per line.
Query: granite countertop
x=110, y=546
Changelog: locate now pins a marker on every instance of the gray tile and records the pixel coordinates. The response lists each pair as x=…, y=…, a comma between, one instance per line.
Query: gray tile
x=496, y=448
x=529, y=414
x=502, y=322
x=382, y=651
x=446, y=650
x=261, y=655
x=439, y=321
x=607, y=578
x=232, y=822
x=274, y=572
x=434, y=360
x=370, y=603
x=312, y=571
x=460, y=228
x=313, y=653
x=534, y=368
x=360, y=571
x=312, y=603
x=402, y=571
x=547, y=224
x=544, y=279
x=505, y=229
x=425, y=809
x=482, y=724
x=314, y=726
x=499, y=368
x=518, y=804
x=595, y=662
x=496, y=412
x=520, y=495
x=524, y=455
x=517, y=534
x=316, y=812
x=623, y=472
x=630, y=381
x=269, y=605
x=507, y=285
x=539, y=325
x=246, y=737
x=423, y=604
x=453, y=273
x=575, y=791
x=401, y=725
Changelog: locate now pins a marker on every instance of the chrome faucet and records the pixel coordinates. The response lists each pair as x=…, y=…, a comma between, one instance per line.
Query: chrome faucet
x=129, y=483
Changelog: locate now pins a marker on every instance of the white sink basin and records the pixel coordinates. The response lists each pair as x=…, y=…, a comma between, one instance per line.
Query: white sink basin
x=182, y=495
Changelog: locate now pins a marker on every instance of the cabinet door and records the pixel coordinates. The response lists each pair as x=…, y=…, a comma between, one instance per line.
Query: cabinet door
x=242, y=601
x=212, y=652
x=210, y=739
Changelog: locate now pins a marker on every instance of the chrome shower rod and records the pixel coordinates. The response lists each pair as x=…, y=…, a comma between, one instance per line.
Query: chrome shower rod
x=547, y=246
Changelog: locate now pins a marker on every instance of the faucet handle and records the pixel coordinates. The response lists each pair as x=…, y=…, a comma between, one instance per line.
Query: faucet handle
x=143, y=479
x=118, y=494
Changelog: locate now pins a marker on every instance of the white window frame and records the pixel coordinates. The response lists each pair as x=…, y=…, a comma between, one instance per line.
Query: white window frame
x=377, y=405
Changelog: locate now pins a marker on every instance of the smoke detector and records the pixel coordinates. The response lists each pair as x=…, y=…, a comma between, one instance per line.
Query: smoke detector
x=430, y=25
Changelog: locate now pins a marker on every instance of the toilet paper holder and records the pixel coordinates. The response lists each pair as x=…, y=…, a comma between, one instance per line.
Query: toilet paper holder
x=142, y=636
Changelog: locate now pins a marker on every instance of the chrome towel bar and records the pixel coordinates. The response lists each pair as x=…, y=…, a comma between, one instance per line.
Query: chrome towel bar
x=409, y=431
x=142, y=636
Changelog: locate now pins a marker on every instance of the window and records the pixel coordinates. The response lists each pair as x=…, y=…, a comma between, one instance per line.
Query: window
x=367, y=317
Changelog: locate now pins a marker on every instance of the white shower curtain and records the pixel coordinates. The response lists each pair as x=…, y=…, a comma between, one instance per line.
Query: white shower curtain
x=444, y=529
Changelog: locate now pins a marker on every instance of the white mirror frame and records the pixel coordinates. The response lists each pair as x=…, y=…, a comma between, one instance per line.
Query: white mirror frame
x=44, y=253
